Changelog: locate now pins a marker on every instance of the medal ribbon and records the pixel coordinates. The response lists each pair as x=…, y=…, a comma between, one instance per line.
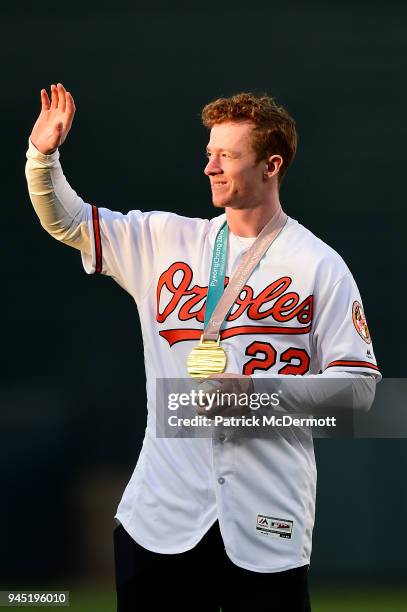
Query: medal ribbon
x=219, y=301
x=216, y=282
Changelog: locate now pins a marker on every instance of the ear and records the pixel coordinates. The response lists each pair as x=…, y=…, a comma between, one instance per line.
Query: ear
x=273, y=165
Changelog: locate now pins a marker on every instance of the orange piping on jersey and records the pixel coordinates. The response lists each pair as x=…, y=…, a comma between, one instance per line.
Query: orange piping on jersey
x=179, y=335
x=353, y=364
x=98, y=242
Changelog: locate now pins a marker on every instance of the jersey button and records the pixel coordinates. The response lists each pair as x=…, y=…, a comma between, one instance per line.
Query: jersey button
x=221, y=480
x=222, y=437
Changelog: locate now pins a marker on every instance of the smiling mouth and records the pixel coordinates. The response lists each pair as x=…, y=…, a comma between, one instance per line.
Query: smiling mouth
x=219, y=184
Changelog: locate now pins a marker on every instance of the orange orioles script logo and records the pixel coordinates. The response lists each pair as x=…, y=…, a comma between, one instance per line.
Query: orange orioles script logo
x=360, y=323
x=275, y=301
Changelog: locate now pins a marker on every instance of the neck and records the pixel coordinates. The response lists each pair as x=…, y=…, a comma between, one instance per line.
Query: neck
x=248, y=222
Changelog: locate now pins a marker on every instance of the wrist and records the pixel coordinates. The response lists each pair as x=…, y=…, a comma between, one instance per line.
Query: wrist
x=40, y=149
x=42, y=158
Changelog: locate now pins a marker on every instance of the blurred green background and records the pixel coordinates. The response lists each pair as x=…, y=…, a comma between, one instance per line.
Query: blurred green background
x=72, y=388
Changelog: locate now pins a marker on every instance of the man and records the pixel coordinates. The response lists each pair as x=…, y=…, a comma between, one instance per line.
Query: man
x=295, y=315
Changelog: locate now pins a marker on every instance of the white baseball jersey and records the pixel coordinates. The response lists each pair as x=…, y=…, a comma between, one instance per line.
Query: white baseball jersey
x=300, y=313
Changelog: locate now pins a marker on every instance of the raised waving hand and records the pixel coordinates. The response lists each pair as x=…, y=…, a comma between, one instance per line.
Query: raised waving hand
x=54, y=120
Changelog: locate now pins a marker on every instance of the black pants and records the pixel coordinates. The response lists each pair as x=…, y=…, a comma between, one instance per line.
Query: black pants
x=202, y=579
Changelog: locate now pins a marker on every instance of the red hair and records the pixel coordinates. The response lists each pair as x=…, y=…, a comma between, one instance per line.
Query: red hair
x=274, y=132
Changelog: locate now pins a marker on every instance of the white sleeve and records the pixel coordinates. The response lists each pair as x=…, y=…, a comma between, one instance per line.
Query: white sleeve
x=61, y=211
x=320, y=393
x=125, y=247
x=341, y=340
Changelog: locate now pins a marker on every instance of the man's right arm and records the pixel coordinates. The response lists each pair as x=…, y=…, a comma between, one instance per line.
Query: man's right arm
x=61, y=211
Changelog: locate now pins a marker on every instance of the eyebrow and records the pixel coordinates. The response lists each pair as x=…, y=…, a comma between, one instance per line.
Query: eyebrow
x=209, y=149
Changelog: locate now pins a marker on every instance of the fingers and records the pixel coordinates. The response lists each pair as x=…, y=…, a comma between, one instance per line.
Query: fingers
x=61, y=97
x=45, y=103
x=58, y=97
x=70, y=109
x=62, y=101
x=70, y=104
x=54, y=96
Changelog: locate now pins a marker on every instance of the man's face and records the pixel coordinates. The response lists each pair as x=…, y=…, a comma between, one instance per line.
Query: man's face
x=236, y=180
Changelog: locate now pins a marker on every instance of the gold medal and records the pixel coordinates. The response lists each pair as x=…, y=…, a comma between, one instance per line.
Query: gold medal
x=208, y=357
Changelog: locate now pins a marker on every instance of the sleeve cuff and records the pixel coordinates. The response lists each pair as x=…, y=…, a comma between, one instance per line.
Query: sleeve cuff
x=354, y=366
x=44, y=160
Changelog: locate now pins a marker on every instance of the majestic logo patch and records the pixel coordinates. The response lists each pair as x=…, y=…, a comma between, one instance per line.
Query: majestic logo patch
x=359, y=321
x=280, y=528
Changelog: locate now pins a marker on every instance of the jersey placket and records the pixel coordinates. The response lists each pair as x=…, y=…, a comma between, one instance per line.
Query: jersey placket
x=224, y=471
